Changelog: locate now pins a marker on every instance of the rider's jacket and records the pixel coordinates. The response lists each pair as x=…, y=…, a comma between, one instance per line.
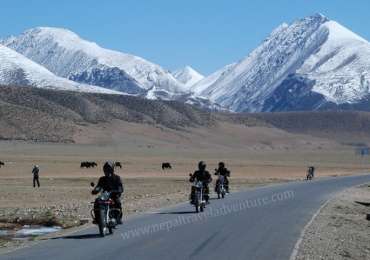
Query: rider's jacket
x=202, y=176
x=112, y=183
x=223, y=171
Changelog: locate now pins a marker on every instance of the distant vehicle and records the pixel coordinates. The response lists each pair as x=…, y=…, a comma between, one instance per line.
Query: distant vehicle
x=310, y=173
x=104, y=213
x=220, y=187
x=198, y=200
x=1, y=164
x=88, y=164
x=166, y=165
x=118, y=164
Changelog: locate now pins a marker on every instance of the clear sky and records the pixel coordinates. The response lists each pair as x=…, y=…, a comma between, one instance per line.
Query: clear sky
x=205, y=34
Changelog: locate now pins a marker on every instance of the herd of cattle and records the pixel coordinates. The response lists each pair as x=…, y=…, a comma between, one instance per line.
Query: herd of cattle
x=94, y=164
x=165, y=165
x=86, y=164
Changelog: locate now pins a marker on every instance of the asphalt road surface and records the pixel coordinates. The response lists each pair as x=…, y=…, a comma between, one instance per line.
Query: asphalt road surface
x=263, y=223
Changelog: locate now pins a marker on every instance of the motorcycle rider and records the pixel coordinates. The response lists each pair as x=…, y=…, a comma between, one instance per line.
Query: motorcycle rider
x=112, y=183
x=223, y=171
x=201, y=175
x=311, y=172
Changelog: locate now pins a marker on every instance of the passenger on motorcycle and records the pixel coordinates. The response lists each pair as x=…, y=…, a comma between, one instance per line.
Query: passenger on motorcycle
x=201, y=175
x=223, y=172
x=112, y=183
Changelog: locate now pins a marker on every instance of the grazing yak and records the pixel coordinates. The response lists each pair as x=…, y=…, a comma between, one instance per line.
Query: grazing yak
x=88, y=164
x=118, y=164
x=166, y=165
x=1, y=164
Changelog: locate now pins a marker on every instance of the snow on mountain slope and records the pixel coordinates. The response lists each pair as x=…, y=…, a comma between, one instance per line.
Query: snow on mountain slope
x=203, y=84
x=67, y=55
x=314, y=55
x=341, y=67
x=15, y=69
x=188, y=76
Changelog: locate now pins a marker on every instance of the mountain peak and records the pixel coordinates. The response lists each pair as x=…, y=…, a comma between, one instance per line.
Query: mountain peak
x=312, y=61
x=320, y=16
x=15, y=69
x=188, y=76
x=66, y=54
x=53, y=30
x=317, y=18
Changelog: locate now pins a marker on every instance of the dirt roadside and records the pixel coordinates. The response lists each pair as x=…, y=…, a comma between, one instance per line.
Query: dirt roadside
x=340, y=231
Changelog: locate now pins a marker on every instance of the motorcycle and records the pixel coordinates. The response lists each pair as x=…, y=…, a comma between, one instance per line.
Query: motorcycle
x=310, y=173
x=309, y=176
x=220, y=187
x=197, y=196
x=104, y=213
x=199, y=201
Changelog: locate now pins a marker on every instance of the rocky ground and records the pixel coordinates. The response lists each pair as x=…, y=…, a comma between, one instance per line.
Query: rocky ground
x=341, y=230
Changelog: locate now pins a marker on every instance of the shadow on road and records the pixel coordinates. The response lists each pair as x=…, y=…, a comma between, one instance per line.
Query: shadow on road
x=86, y=236
x=214, y=198
x=177, y=212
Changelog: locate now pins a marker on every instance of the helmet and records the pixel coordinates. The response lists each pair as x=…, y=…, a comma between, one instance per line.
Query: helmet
x=108, y=168
x=221, y=165
x=202, y=166
x=36, y=166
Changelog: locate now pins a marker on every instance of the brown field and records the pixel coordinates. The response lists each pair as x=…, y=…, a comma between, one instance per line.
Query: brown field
x=255, y=155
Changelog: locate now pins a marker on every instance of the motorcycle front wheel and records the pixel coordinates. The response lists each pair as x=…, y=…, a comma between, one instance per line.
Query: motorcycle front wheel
x=102, y=223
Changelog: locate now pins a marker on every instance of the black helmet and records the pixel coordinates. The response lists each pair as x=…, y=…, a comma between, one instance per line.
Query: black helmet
x=202, y=166
x=108, y=168
x=221, y=165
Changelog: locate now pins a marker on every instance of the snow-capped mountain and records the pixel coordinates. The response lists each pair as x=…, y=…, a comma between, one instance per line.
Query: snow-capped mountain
x=302, y=66
x=15, y=69
x=313, y=63
x=67, y=55
x=188, y=76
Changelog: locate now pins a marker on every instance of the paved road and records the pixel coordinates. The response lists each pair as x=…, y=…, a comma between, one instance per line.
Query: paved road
x=263, y=223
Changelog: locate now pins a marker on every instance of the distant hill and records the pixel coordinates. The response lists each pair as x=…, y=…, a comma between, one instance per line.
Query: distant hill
x=49, y=115
x=346, y=127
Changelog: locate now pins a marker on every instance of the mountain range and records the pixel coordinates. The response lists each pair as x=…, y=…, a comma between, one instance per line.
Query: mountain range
x=313, y=63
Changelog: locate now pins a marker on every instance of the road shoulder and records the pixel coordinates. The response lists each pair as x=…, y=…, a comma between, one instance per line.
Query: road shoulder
x=340, y=230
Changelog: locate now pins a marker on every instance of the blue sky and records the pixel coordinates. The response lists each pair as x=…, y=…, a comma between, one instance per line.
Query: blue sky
x=206, y=34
